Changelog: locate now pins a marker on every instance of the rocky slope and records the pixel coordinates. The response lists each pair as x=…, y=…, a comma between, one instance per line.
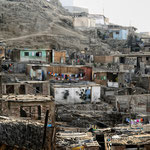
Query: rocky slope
x=42, y=24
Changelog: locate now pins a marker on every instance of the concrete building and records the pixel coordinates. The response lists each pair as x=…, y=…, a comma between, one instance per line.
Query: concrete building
x=100, y=20
x=137, y=103
x=67, y=2
x=71, y=93
x=75, y=9
x=83, y=22
x=138, y=61
x=72, y=8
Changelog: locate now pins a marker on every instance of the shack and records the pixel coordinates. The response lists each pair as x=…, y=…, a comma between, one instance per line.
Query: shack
x=59, y=72
x=76, y=141
x=128, y=141
x=29, y=107
x=137, y=103
x=110, y=78
x=39, y=55
x=81, y=92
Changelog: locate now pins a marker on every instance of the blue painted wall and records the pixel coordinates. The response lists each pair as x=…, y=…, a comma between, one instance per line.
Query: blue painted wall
x=122, y=34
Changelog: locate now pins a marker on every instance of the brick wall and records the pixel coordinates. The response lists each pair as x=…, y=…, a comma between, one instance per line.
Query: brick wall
x=46, y=88
x=58, y=56
x=12, y=109
x=103, y=59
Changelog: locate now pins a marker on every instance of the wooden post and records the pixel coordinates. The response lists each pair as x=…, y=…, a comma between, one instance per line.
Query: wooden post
x=0, y=78
x=45, y=127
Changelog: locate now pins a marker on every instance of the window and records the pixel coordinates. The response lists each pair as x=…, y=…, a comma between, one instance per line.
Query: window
x=31, y=112
x=26, y=53
x=32, y=53
x=122, y=60
x=22, y=89
x=117, y=32
x=147, y=58
x=10, y=89
x=39, y=54
x=37, y=90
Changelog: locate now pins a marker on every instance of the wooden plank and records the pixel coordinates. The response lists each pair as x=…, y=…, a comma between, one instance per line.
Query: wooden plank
x=3, y=147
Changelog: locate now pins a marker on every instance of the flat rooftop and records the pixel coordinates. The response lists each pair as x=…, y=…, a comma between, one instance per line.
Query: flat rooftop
x=61, y=65
x=133, y=54
x=107, y=70
x=78, y=84
x=27, y=98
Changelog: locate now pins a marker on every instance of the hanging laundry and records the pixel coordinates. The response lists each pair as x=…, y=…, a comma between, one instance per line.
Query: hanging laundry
x=105, y=78
x=127, y=120
x=132, y=122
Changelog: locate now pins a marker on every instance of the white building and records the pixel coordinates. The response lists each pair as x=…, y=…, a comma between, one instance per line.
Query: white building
x=100, y=20
x=83, y=22
x=67, y=2
x=71, y=7
x=71, y=93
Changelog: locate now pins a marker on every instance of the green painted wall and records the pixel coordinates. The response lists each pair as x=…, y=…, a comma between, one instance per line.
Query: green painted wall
x=32, y=55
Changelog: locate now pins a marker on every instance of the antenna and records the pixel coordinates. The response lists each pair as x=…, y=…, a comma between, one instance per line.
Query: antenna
x=103, y=6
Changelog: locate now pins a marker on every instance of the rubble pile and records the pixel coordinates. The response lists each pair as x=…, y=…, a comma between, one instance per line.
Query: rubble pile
x=71, y=139
x=85, y=115
x=22, y=134
x=116, y=45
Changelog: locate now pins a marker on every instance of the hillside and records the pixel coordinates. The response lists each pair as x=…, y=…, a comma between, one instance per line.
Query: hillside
x=41, y=24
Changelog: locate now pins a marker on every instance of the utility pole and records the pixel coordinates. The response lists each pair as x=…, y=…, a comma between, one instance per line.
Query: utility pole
x=0, y=77
x=130, y=110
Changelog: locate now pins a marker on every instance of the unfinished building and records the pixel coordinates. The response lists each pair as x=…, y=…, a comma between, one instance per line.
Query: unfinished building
x=27, y=107
x=108, y=78
x=27, y=88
